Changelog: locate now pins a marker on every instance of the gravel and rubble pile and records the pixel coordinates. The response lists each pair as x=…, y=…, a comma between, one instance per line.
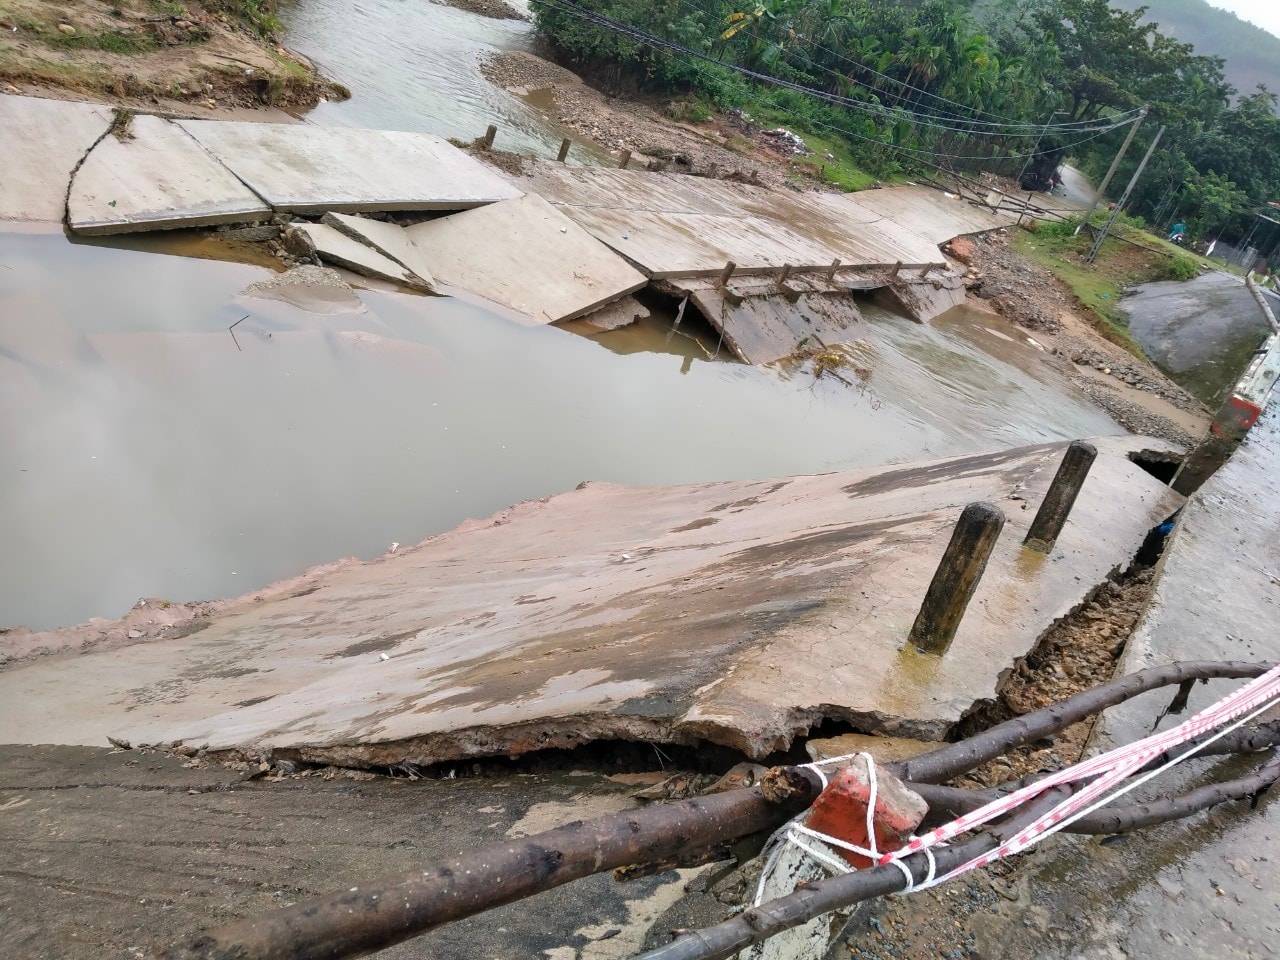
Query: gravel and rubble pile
x=1137, y=375
x=653, y=139
x=1131, y=416
x=1022, y=292
x=493, y=9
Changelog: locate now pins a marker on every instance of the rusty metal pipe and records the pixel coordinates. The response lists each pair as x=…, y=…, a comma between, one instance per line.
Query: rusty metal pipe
x=957, y=758
x=361, y=921
x=811, y=900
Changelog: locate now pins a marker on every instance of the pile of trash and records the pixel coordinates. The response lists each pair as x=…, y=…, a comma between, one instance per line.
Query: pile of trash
x=784, y=141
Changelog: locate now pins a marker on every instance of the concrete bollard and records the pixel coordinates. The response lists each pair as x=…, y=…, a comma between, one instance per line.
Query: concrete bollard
x=831, y=271
x=783, y=274
x=896, y=267
x=489, y=135
x=727, y=272
x=1062, y=494
x=624, y=159
x=957, y=577
x=564, y=150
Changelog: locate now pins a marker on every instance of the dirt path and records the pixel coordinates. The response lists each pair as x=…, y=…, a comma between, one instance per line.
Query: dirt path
x=182, y=55
x=120, y=853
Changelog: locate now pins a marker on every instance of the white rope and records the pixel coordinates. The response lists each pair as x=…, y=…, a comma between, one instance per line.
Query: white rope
x=1088, y=801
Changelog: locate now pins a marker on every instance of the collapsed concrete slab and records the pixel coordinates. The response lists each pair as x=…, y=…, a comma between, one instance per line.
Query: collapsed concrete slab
x=615, y=316
x=527, y=255
x=43, y=142
x=673, y=226
x=151, y=175
x=333, y=246
x=767, y=327
x=389, y=239
x=306, y=168
x=740, y=613
x=924, y=298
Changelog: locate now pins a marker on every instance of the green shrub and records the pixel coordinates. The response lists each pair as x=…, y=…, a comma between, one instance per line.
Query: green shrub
x=1181, y=268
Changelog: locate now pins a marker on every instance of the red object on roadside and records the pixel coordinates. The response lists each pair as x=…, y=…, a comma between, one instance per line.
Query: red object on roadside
x=841, y=811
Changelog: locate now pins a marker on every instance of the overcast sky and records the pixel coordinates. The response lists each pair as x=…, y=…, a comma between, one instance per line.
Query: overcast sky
x=1265, y=13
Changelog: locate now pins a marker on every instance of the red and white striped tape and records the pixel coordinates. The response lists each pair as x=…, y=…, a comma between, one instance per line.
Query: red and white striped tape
x=1110, y=769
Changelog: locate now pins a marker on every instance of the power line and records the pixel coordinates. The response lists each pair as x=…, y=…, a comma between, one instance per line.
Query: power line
x=884, y=76
x=919, y=152
x=891, y=114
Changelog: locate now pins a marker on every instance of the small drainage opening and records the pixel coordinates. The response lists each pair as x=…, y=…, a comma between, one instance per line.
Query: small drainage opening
x=1158, y=463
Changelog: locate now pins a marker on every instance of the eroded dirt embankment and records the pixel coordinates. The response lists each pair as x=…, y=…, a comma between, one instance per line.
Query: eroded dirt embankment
x=201, y=55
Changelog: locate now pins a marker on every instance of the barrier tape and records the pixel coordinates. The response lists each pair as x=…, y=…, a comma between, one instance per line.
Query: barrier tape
x=1107, y=771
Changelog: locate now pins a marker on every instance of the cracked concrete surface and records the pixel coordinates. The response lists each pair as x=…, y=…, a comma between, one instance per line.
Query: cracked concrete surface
x=739, y=613
x=45, y=142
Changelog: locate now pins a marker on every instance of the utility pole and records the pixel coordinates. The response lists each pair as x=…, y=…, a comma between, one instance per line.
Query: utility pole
x=1115, y=165
x=1102, y=235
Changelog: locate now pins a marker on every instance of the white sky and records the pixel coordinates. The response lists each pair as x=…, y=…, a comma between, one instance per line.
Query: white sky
x=1265, y=13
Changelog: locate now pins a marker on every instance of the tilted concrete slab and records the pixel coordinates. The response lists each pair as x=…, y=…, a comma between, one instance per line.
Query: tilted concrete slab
x=338, y=248
x=615, y=316
x=388, y=239
x=741, y=613
x=43, y=142
x=527, y=255
x=674, y=226
x=930, y=213
x=307, y=168
x=925, y=299
x=759, y=329
x=154, y=178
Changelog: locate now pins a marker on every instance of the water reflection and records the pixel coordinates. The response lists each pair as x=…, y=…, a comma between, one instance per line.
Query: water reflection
x=145, y=454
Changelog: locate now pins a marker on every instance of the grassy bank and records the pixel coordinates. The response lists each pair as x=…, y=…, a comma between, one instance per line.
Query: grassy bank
x=1121, y=263
x=146, y=53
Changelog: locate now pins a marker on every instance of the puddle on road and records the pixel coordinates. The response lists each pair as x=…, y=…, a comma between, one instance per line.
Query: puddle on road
x=145, y=455
x=1201, y=332
x=416, y=66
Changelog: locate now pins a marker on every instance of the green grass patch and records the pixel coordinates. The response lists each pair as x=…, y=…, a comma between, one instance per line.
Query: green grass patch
x=109, y=41
x=839, y=168
x=842, y=170
x=291, y=67
x=1097, y=287
x=168, y=8
x=258, y=15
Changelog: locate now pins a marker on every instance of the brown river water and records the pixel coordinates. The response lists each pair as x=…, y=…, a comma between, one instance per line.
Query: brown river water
x=147, y=453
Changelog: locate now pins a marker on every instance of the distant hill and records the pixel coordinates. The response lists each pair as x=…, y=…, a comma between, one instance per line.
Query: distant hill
x=1252, y=54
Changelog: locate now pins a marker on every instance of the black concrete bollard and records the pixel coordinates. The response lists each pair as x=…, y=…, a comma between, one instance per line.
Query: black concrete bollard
x=564, y=150
x=1062, y=494
x=957, y=577
x=489, y=135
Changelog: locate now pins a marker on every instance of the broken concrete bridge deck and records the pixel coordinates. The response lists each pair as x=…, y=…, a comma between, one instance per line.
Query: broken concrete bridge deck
x=678, y=226
x=741, y=613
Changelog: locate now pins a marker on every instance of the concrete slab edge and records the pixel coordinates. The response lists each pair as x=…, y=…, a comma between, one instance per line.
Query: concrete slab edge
x=112, y=227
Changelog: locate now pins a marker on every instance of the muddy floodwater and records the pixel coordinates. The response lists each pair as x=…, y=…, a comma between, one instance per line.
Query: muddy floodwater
x=1201, y=333
x=416, y=66
x=148, y=453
